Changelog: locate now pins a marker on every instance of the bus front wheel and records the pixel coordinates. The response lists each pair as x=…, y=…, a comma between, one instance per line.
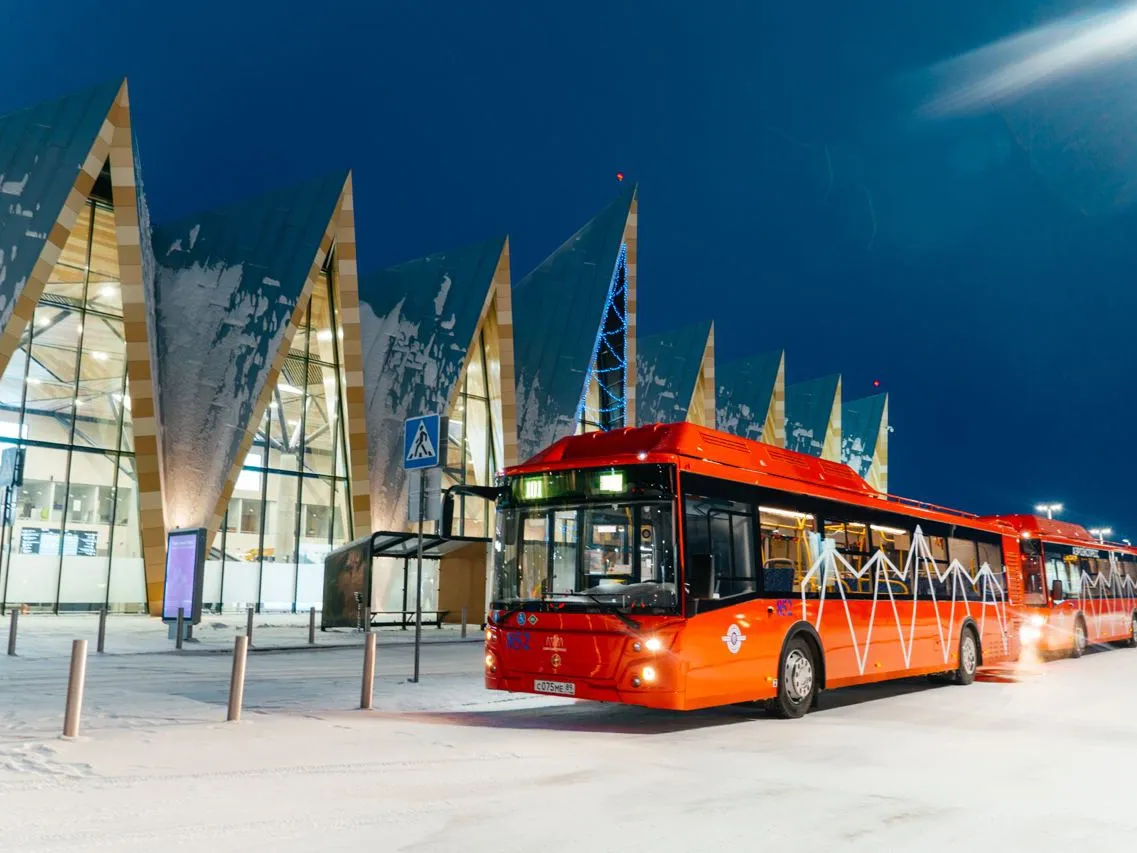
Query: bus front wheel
x=797, y=680
x=968, y=657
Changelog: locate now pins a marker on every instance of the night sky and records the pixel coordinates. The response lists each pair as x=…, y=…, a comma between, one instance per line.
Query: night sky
x=981, y=267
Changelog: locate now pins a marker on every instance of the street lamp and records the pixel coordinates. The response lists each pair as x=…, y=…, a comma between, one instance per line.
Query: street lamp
x=1101, y=532
x=1049, y=509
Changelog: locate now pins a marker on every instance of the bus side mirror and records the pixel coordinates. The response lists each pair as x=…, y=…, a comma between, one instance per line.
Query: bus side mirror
x=1057, y=592
x=701, y=576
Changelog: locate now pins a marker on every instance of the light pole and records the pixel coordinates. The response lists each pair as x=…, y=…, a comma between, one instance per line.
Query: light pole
x=1049, y=509
x=1101, y=533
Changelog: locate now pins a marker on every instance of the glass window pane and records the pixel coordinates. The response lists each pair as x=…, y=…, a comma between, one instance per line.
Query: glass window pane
x=315, y=540
x=320, y=420
x=37, y=523
x=104, y=248
x=127, y=574
x=475, y=374
x=98, y=406
x=214, y=566
x=74, y=254
x=478, y=442
x=278, y=569
x=341, y=516
x=88, y=510
x=52, y=373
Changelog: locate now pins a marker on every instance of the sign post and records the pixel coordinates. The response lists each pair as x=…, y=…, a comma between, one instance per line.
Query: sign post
x=424, y=450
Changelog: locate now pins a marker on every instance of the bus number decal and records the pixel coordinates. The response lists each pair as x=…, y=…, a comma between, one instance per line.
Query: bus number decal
x=784, y=607
x=517, y=641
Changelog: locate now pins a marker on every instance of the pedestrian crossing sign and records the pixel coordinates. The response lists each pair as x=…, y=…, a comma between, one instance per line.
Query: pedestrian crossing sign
x=423, y=442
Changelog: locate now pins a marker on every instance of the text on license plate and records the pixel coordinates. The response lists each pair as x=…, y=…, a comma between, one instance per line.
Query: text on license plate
x=558, y=688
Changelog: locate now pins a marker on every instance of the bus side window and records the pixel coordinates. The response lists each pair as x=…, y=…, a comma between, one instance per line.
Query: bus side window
x=785, y=551
x=963, y=551
x=991, y=556
x=852, y=542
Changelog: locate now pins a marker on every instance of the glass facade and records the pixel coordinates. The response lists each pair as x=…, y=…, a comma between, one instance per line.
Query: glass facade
x=70, y=533
x=472, y=451
x=291, y=504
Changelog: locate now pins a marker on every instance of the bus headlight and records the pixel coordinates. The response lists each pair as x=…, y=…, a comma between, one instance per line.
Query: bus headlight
x=648, y=674
x=1029, y=634
x=1037, y=620
x=653, y=644
x=491, y=663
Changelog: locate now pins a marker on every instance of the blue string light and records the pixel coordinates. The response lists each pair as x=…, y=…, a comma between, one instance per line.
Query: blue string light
x=615, y=303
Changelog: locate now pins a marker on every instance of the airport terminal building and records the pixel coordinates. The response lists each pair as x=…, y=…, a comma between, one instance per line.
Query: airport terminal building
x=246, y=371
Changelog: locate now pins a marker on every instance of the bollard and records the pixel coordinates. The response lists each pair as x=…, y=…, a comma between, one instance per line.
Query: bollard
x=75, y=688
x=366, y=619
x=237, y=681
x=101, y=645
x=312, y=626
x=249, y=626
x=463, y=623
x=12, y=631
x=181, y=627
x=368, y=672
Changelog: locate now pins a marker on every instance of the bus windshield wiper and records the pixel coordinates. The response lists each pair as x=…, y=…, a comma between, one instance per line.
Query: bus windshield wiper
x=609, y=606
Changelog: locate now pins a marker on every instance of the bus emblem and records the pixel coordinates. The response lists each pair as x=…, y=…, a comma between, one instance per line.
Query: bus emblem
x=556, y=661
x=733, y=639
x=555, y=644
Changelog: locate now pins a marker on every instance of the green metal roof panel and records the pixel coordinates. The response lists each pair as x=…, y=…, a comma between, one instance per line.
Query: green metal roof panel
x=226, y=283
x=808, y=408
x=667, y=370
x=417, y=321
x=745, y=389
x=860, y=428
x=42, y=149
x=558, y=310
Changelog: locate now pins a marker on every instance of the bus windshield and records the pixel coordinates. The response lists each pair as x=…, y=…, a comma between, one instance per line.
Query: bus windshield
x=586, y=546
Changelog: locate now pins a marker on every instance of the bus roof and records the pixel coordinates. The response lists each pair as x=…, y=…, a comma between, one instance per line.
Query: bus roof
x=663, y=442
x=1037, y=527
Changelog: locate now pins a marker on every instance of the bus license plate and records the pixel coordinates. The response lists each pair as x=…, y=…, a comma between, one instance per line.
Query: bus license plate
x=557, y=688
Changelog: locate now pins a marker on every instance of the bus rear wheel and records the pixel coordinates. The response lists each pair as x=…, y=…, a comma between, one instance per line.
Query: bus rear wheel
x=797, y=680
x=1079, y=647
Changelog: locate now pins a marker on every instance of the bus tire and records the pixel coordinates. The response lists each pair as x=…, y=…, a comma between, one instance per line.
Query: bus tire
x=797, y=679
x=1078, y=648
x=969, y=655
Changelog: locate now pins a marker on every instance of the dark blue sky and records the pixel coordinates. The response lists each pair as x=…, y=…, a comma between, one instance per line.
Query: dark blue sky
x=982, y=268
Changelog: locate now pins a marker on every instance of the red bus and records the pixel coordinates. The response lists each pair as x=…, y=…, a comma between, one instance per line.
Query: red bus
x=1077, y=590
x=673, y=566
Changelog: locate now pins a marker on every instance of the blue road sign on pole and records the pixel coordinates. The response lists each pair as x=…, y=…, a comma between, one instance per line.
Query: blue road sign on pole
x=422, y=442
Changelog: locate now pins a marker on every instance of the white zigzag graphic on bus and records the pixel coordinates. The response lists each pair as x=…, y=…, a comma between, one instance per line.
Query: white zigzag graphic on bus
x=883, y=571
x=1117, y=582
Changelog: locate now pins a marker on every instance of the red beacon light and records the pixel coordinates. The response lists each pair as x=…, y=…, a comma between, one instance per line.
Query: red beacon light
x=876, y=383
x=620, y=176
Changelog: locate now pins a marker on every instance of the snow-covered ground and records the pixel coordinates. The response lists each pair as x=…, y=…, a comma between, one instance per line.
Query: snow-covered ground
x=1044, y=764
